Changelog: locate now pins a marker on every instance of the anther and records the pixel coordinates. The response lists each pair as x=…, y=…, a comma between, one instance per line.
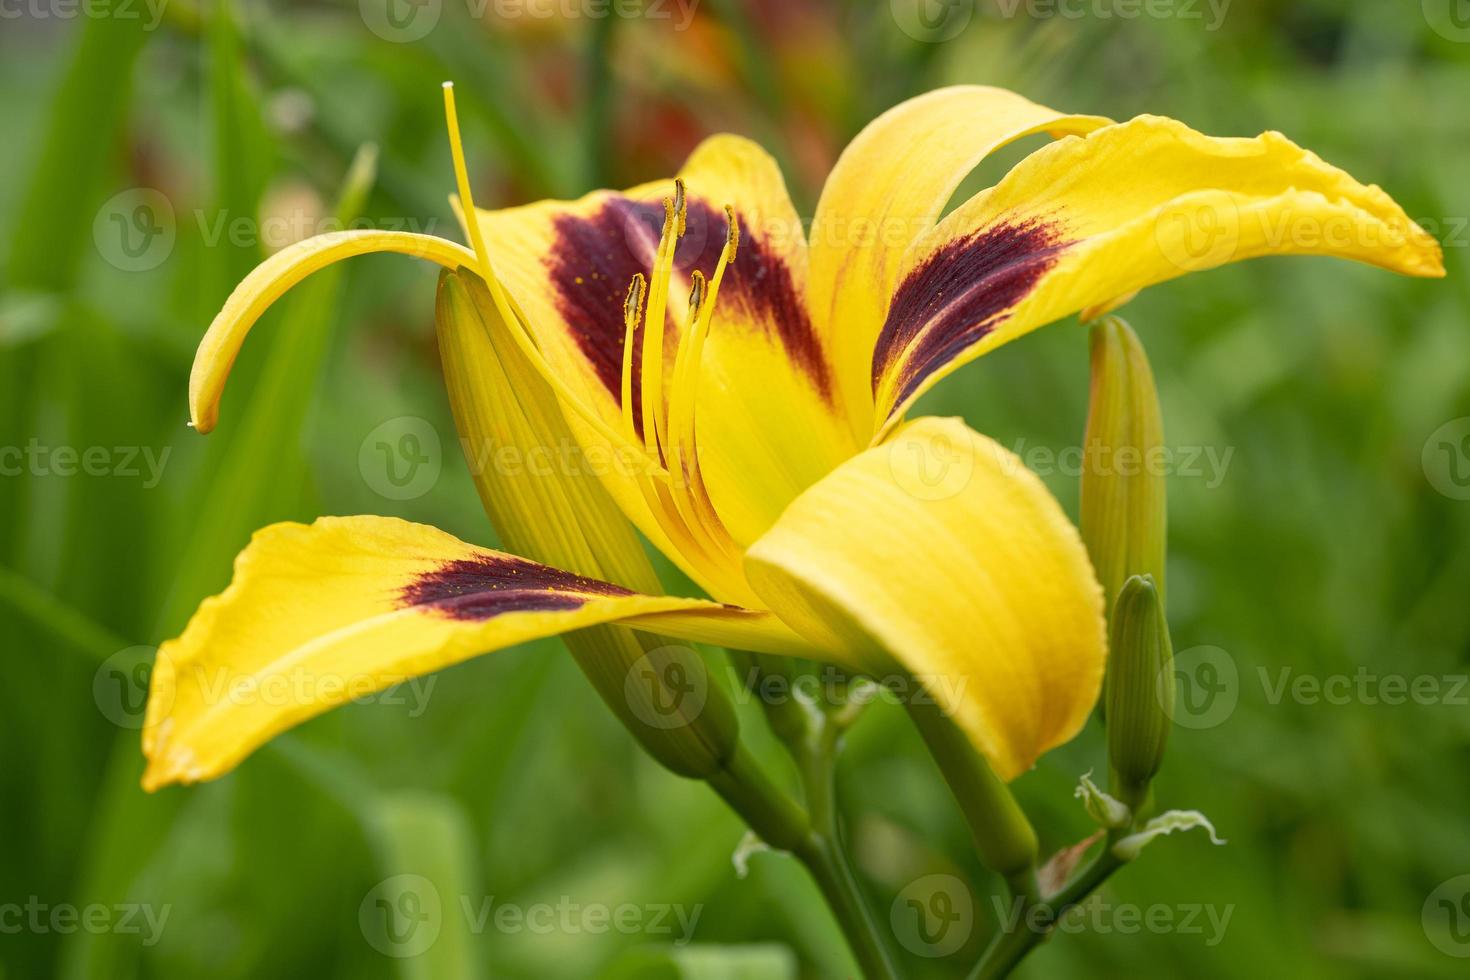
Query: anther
x=698, y=290
x=732, y=231
x=633, y=303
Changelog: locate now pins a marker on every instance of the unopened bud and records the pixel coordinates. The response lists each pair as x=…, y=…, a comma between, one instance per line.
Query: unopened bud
x=1123, y=494
x=1139, y=691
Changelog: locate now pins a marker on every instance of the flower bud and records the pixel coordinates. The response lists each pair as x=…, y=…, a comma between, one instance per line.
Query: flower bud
x=660, y=689
x=1123, y=495
x=1139, y=690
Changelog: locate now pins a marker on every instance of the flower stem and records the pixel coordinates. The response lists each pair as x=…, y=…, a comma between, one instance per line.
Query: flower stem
x=1003, y=836
x=825, y=857
x=812, y=734
x=1038, y=919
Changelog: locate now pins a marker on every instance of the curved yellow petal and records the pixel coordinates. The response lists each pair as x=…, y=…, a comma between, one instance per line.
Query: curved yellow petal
x=940, y=550
x=887, y=190
x=270, y=280
x=320, y=615
x=1086, y=222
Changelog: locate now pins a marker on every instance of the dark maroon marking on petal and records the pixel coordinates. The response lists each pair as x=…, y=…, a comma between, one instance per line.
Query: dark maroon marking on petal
x=760, y=286
x=592, y=262
x=486, y=586
x=960, y=294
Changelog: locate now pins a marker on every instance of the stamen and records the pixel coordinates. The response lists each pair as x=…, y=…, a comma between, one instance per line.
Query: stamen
x=632, y=311
x=683, y=451
x=513, y=322
x=655, y=424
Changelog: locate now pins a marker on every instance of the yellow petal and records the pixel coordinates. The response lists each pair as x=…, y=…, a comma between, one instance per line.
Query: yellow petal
x=766, y=420
x=270, y=280
x=941, y=550
x=888, y=188
x=1085, y=221
x=319, y=615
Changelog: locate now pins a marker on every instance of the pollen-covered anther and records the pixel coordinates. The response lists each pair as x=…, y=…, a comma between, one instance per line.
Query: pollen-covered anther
x=732, y=231
x=698, y=290
x=633, y=303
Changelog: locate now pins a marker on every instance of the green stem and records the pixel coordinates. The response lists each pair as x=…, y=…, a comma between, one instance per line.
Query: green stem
x=812, y=734
x=782, y=824
x=773, y=815
x=826, y=858
x=1037, y=919
x=1003, y=836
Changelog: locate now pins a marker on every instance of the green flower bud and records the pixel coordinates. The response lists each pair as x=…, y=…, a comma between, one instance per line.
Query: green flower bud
x=1139, y=706
x=660, y=689
x=1123, y=496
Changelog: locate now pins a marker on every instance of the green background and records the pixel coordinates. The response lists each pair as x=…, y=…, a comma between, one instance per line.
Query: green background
x=1323, y=548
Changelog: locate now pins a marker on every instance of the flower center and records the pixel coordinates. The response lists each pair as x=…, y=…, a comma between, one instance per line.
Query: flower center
x=682, y=504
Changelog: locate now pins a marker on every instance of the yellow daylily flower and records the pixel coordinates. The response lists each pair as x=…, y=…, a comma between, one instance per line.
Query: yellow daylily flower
x=756, y=434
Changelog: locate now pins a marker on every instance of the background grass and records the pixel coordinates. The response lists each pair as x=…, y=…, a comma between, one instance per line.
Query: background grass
x=1322, y=547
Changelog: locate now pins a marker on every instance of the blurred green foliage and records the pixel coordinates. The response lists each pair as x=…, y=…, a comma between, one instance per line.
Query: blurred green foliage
x=1320, y=548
